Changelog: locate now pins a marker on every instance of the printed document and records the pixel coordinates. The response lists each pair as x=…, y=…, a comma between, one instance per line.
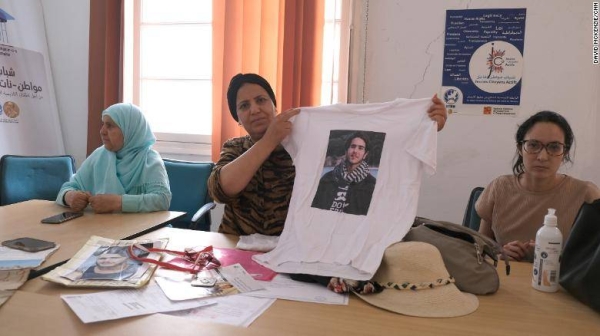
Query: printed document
x=283, y=287
x=235, y=310
x=116, y=304
x=231, y=280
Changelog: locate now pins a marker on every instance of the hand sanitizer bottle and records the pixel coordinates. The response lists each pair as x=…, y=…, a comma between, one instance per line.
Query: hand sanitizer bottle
x=546, y=262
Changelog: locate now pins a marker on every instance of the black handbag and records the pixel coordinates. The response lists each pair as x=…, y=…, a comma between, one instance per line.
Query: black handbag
x=580, y=259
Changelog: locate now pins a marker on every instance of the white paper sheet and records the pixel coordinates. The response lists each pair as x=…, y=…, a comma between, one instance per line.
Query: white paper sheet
x=176, y=285
x=282, y=287
x=234, y=310
x=16, y=259
x=240, y=278
x=116, y=304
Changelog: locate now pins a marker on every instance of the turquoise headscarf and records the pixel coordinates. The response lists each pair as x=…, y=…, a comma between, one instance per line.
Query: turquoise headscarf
x=127, y=170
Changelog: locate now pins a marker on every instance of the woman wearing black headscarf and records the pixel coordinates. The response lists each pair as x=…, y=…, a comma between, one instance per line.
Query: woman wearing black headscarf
x=254, y=175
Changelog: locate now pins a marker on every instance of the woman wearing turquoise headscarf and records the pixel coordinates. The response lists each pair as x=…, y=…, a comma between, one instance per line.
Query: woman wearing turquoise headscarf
x=124, y=175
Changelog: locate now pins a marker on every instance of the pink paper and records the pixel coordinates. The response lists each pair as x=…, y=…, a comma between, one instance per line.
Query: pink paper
x=229, y=256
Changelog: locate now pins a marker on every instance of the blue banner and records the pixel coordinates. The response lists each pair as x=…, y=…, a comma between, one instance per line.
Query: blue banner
x=483, y=60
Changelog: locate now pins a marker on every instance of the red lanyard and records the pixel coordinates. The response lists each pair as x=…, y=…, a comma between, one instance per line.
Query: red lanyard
x=198, y=260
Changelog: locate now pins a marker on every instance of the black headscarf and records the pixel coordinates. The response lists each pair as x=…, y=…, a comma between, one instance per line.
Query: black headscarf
x=236, y=83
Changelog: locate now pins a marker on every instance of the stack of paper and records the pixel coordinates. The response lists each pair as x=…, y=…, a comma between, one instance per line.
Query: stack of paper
x=179, y=293
x=15, y=266
x=118, y=304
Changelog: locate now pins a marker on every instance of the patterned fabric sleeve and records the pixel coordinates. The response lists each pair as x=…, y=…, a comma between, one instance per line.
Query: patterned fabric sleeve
x=262, y=206
x=231, y=150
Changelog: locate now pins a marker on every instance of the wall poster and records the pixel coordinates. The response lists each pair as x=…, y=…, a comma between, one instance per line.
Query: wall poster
x=483, y=61
x=29, y=123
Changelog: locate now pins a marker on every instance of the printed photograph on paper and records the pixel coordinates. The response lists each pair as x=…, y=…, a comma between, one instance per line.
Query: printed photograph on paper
x=111, y=263
x=103, y=262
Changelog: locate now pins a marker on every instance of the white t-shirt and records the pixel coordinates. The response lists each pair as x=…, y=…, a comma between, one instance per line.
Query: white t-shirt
x=330, y=243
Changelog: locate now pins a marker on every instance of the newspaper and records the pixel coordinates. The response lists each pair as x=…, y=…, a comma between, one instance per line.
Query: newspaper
x=104, y=262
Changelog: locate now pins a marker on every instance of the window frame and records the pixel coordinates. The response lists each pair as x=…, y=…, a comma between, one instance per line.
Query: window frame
x=200, y=144
x=168, y=144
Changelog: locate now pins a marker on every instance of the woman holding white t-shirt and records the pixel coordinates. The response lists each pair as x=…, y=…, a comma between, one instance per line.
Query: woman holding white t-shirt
x=254, y=176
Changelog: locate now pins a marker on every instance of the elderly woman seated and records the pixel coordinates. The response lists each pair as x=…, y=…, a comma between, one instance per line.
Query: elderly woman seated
x=125, y=174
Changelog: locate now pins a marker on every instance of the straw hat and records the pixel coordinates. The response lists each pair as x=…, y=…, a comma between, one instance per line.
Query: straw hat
x=417, y=283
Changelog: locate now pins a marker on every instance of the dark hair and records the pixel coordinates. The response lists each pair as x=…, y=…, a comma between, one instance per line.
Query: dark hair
x=123, y=250
x=120, y=250
x=236, y=83
x=542, y=116
x=358, y=134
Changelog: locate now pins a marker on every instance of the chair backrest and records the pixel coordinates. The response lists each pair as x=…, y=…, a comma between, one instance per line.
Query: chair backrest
x=471, y=218
x=189, y=186
x=24, y=178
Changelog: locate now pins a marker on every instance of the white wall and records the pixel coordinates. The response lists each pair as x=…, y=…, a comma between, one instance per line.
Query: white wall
x=67, y=33
x=404, y=58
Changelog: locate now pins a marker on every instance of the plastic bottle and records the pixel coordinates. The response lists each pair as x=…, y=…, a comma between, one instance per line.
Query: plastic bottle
x=546, y=262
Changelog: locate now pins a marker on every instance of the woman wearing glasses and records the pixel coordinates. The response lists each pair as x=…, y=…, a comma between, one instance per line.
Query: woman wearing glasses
x=512, y=207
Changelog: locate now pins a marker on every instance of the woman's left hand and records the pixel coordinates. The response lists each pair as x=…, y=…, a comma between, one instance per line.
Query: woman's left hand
x=437, y=112
x=519, y=251
x=105, y=203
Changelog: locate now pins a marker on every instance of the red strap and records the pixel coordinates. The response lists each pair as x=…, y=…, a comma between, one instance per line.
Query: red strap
x=198, y=260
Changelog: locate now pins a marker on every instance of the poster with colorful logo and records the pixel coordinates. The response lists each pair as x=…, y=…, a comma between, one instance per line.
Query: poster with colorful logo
x=29, y=123
x=483, y=61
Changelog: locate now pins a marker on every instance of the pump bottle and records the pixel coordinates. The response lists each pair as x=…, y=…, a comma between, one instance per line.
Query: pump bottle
x=546, y=262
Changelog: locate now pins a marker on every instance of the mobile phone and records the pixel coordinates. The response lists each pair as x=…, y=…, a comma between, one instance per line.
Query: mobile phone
x=61, y=218
x=29, y=244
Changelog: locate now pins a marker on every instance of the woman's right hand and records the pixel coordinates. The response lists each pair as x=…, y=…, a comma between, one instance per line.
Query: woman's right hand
x=280, y=127
x=235, y=175
x=519, y=251
x=437, y=112
x=77, y=200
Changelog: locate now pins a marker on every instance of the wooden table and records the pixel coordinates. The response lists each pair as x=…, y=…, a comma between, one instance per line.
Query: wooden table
x=516, y=309
x=23, y=220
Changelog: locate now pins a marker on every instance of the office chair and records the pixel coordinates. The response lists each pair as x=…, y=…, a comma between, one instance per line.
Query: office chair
x=24, y=178
x=189, y=187
x=471, y=218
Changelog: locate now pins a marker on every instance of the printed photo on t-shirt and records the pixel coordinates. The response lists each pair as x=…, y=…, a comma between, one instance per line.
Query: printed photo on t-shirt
x=350, y=171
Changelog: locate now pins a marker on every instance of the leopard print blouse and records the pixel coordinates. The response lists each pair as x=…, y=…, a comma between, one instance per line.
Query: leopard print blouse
x=262, y=207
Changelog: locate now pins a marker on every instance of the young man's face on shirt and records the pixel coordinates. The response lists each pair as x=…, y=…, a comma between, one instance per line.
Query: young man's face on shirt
x=356, y=153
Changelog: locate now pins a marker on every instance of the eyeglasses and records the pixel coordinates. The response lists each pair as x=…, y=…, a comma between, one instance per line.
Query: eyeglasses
x=554, y=148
